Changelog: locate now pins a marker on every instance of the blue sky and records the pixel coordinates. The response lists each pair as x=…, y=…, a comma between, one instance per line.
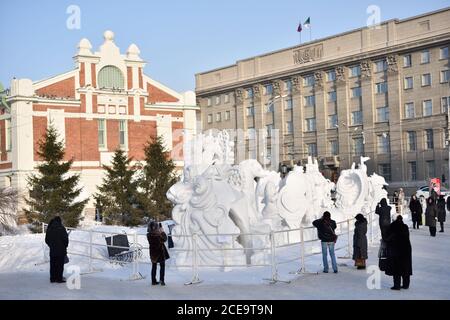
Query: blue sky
x=177, y=38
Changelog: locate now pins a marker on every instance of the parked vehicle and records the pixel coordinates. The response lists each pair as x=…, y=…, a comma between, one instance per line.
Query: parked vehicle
x=425, y=192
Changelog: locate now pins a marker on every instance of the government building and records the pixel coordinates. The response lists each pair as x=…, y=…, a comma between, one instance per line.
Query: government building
x=106, y=102
x=380, y=91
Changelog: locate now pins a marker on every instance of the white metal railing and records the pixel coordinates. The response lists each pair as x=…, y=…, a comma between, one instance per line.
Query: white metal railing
x=270, y=259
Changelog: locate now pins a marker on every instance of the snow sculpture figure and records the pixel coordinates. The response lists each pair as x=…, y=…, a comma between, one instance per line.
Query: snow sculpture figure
x=243, y=211
x=352, y=190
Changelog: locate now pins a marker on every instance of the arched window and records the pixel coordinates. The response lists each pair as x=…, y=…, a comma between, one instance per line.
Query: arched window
x=111, y=77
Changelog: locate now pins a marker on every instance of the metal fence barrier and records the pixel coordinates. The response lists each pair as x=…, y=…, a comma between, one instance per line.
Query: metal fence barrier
x=269, y=252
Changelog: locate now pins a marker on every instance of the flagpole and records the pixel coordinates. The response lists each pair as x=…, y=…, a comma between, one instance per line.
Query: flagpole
x=310, y=33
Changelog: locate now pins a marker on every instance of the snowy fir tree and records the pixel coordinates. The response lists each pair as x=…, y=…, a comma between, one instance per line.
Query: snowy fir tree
x=118, y=196
x=53, y=191
x=157, y=177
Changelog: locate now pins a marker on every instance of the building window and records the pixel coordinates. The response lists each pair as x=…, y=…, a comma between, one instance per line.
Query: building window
x=226, y=98
x=227, y=115
x=431, y=169
x=123, y=133
x=110, y=77
x=8, y=135
x=355, y=71
x=249, y=93
x=407, y=62
x=250, y=111
x=289, y=104
x=427, y=108
x=310, y=124
x=102, y=133
x=381, y=87
x=425, y=56
x=380, y=65
x=210, y=118
x=269, y=129
x=269, y=106
x=383, y=145
x=289, y=127
x=308, y=81
x=358, y=146
x=356, y=92
x=217, y=100
x=356, y=118
x=334, y=147
x=409, y=110
x=445, y=102
x=443, y=53
x=331, y=75
x=383, y=114
x=208, y=102
x=288, y=85
x=332, y=121
x=408, y=83
x=412, y=170
x=312, y=149
x=426, y=79
x=218, y=117
x=310, y=101
x=268, y=89
x=411, y=141
x=332, y=97
x=384, y=169
x=429, y=143
x=445, y=76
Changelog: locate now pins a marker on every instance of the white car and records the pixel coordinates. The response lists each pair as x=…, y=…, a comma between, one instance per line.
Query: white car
x=425, y=192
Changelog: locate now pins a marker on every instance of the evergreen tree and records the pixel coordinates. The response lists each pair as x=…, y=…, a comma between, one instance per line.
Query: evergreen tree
x=53, y=190
x=157, y=177
x=118, y=195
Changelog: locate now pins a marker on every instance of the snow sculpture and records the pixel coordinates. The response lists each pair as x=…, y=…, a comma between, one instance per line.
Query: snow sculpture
x=237, y=206
x=305, y=195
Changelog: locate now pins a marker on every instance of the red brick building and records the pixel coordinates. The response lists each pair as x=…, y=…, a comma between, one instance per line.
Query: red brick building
x=105, y=103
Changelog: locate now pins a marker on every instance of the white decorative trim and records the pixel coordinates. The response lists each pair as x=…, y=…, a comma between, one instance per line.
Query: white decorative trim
x=104, y=116
x=161, y=87
x=60, y=77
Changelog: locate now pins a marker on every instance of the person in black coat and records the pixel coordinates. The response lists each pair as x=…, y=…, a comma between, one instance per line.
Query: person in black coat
x=384, y=212
x=325, y=231
x=399, y=261
x=158, y=251
x=416, y=211
x=360, y=242
x=430, y=216
x=57, y=239
x=441, y=213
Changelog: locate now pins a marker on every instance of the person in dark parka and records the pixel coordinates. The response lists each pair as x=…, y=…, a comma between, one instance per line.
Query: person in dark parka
x=360, y=241
x=399, y=262
x=384, y=212
x=158, y=251
x=57, y=239
x=325, y=232
x=430, y=216
x=416, y=211
x=441, y=212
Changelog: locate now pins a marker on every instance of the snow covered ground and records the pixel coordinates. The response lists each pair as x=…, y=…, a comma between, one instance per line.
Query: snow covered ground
x=21, y=278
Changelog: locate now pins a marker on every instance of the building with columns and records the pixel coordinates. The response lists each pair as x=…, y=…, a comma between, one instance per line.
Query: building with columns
x=106, y=102
x=380, y=91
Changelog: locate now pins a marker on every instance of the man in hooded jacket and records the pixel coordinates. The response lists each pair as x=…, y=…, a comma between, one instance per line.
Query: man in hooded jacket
x=384, y=212
x=399, y=264
x=57, y=239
